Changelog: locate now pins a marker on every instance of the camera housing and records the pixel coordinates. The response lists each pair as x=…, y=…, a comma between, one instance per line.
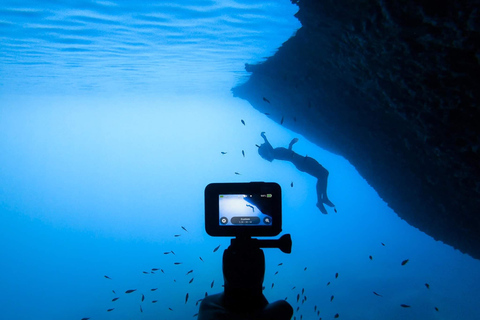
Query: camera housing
x=243, y=209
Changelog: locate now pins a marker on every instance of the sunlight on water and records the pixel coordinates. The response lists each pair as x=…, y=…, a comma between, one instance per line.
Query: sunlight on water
x=114, y=116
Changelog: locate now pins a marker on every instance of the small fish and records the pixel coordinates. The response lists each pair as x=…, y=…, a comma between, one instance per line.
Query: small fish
x=108, y=310
x=115, y=299
x=243, y=153
x=143, y=297
x=211, y=285
x=141, y=310
x=377, y=294
x=336, y=315
x=223, y=152
x=130, y=291
x=336, y=275
x=331, y=298
x=108, y=277
x=291, y=184
x=281, y=121
x=145, y=272
x=266, y=113
x=215, y=250
x=266, y=100
x=293, y=288
x=243, y=122
x=328, y=283
x=298, y=297
x=167, y=252
x=162, y=270
x=85, y=318
x=189, y=272
x=154, y=301
x=154, y=269
x=177, y=235
x=370, y=257
x=177, y=263
x=206, y=294
x=404, y=262
x=281, y=263
x=172, y=252
x=383, y=244
x=305, y=269
x=298, y=308
x=153, y=289
x=186, y=297
x=404, y=306
x=184, y=228
x=152, y=272
x=436, y=309
x=191, y=281
x=113, y=291
x=170, y=309
x=276, y=273
x=195, y=315
x=238, y=174
x=335, y=209
x=427, y=285
x=303, y=290
x=201, y=259
x=273, y=284
x=256, y=145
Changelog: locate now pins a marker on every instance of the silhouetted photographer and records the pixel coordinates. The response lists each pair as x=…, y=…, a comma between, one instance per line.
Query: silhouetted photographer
x=255, y=209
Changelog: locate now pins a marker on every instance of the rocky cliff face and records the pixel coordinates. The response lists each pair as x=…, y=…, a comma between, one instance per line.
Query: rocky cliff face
x=393, y=86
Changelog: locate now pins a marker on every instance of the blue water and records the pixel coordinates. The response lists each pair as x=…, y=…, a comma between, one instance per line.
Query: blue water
x=113, y=117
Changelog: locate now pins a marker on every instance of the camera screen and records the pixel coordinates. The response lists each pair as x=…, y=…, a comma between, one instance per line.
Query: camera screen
x=245, y=209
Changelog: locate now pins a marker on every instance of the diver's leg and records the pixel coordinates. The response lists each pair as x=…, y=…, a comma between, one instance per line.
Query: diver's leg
x=294, y=140
x=322, y=195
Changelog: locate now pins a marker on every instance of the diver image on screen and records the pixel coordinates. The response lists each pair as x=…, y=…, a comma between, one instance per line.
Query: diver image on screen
x=244, y=210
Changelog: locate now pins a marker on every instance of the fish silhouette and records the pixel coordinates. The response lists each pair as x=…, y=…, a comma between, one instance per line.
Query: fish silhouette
x=189, y=272
x=404, y=262
x=404, y=305
x=243, y=122
x=336, y=316
x=191, y=281
x=130, y=291
x=115, y=299
x=108, y=310
x=266, y=100
x=215, y=250
x=331, y=298
x=108, y=277
x=184, y=228
x=186, y=298
x=427, y=285
x=370, y=257
x=143, y=297
x=223, y=152
x=153, y=289
x=201, y=259
x=336, y=275
x=211, y=285
x=243, y=153
x=177, y=263
x=377, y=294
x=154, y=301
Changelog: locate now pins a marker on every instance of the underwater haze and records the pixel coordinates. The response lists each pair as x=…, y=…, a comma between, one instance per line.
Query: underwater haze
x=115, y=116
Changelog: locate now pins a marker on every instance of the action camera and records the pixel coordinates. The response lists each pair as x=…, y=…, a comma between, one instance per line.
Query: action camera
x=243, y=209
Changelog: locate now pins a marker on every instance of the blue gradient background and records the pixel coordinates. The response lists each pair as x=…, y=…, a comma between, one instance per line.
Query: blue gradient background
x=113, y=117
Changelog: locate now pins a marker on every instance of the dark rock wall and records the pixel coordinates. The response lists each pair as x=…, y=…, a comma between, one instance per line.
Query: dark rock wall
x=393, y=86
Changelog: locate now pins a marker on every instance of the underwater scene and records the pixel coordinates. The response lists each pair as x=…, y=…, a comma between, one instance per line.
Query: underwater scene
x=115, y=116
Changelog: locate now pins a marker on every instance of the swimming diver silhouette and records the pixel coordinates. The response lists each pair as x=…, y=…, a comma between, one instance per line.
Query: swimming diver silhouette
x=304, y=164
